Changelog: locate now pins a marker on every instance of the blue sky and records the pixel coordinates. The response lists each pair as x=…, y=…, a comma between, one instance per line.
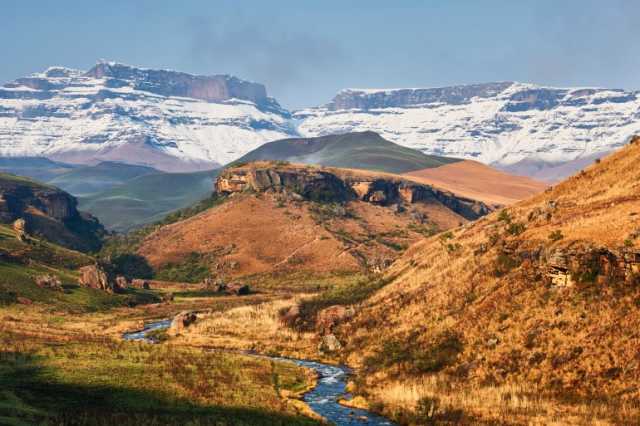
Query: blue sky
x=305, y=51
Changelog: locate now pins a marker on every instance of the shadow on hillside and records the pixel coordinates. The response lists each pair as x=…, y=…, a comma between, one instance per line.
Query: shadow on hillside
x=28, y=396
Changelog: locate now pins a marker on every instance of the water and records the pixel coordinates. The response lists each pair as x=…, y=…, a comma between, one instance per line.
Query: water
x=142, y=334
x=323, y=398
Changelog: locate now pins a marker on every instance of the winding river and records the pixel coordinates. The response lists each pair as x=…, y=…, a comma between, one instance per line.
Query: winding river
x=323, y=398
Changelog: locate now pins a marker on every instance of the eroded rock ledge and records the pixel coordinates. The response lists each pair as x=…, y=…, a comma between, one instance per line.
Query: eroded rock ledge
x=338, y=185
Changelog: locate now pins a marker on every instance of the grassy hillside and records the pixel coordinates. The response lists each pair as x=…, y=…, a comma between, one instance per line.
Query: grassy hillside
x=528, y=315
x=38, y=168
x=86, y=180
x=364, y=150
x=148, y=198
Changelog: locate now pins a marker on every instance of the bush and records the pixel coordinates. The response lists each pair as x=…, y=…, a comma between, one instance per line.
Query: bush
x=516, y=228
x=504, y=216
x=556, y=235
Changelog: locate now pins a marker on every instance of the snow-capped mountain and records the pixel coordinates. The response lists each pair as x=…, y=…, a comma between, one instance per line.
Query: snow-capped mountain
x=177, y=121
x=166, y=119
x=519, y=127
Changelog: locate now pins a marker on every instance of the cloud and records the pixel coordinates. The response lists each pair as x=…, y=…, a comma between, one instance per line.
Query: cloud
x=282, y=59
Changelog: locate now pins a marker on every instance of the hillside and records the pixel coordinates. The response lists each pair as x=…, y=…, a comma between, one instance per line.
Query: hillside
x=38, y=168
x=147, y=198
x=527, y=315
x=478, y=181
x=86, y=180
x=363, y=150
x=48, y=212
x=285, y=217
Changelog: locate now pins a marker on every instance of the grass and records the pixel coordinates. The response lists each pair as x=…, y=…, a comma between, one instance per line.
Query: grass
x=365, y=150
x=99, y=382
x=148, y=198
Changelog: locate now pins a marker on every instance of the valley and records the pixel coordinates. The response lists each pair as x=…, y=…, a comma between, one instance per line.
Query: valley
x=180, y=249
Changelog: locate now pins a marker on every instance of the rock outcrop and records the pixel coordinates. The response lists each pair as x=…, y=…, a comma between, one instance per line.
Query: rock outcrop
x=334, y=185
x=48, y=281
x=97, y=277
x=181, y=321
x=138, y=283
x=47, y=211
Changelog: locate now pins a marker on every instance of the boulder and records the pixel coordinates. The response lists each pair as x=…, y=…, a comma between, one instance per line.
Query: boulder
x=216, y=285
x=121, y=283
x=238, y=289
x=138, y=283
x=48, y=281
x=330, y=317
x=94, y=276
x=20, y=229
x=181, y=321
x=167, y=297
x=329, y=343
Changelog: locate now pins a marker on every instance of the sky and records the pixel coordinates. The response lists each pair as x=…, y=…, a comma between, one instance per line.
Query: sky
x=305, y=51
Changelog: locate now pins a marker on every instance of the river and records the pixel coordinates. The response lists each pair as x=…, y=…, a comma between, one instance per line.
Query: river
x=323, y=398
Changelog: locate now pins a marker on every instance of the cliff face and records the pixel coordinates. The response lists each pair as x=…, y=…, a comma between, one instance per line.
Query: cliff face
x=214, y=88
x=334, y=185
x=48, y=212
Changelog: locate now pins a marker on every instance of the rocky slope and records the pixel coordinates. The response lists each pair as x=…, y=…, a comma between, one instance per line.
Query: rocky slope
x=166, y=119
x=280, y=217
x=524, y=127
x=48, y=212
x=538, y=300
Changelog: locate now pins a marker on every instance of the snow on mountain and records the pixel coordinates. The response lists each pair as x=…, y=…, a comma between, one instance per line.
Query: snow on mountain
x=506, y=124
x=166, y=119
x=177, y=121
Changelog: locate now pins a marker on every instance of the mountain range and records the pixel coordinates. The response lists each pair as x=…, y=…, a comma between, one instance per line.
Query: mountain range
x=175, y=121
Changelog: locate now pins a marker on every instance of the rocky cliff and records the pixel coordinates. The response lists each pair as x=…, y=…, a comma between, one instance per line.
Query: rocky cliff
x=48, y=212
x=336, y=185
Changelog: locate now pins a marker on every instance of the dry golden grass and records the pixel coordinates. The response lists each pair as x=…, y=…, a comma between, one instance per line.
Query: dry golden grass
x=573, y=350
x=251, y=328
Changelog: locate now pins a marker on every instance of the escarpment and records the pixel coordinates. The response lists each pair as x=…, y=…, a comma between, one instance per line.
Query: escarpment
x=341, y=185
x=48, y=212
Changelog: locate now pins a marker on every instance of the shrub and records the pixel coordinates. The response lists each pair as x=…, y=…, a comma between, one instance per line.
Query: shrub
x=504, y=216
x=504, y=264
x=516, y=228
x=556, y=235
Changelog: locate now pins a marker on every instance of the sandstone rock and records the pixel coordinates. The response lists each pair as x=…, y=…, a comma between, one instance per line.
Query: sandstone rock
x=121, y=284
x=329, y=343
x=167, y=297
x=239, y=289
x=24, y=301
x=94, y=276
x=48, y=281
x=138, y=283
x=330, y=317
x=20, y=229
x=181, y=321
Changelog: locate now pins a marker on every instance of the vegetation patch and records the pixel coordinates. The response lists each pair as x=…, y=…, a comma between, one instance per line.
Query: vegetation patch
x=417, y=358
